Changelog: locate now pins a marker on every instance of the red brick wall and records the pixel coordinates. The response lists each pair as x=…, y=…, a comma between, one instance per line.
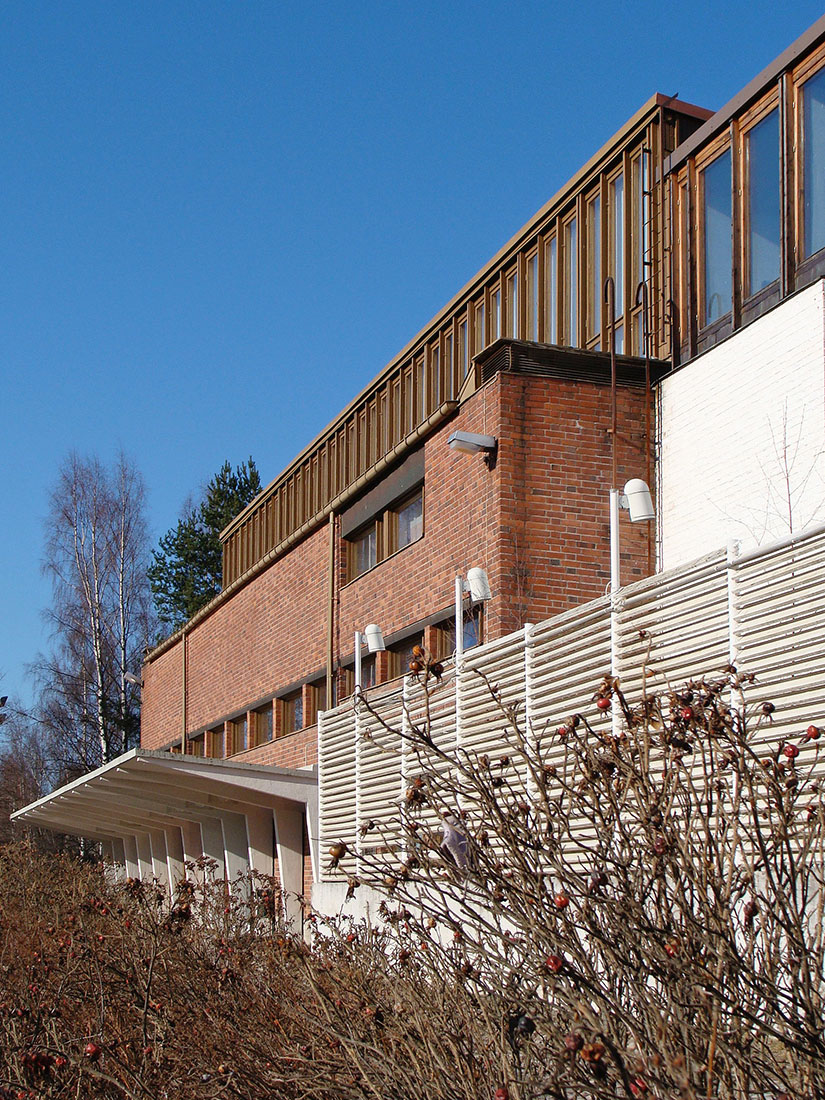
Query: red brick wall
x=537, y=522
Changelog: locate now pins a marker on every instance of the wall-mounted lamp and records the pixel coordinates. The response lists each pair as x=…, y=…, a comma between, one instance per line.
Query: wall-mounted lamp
x=375, y=644
x=477, y=586
x=130, y=678
x=470, y=443
x=637, y=501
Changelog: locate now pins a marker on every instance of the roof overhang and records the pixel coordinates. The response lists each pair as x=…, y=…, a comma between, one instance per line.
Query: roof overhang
x=145, y=789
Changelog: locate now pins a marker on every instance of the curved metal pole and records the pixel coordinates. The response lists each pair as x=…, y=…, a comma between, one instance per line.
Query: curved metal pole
x=610, y=300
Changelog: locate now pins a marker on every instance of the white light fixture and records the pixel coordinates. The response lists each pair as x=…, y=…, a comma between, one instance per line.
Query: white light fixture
x=470, y=443
x=637, y=501
x=477, y=586
x=130, y=678
x=375, y=644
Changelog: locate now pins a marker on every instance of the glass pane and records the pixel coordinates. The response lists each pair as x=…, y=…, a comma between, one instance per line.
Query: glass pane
x=410, y=519
x=637, y=224
x=264, y=724
x=512, y=306
x=533, y=298
x=551, y=330
x=813, y=122
x=463, y=350
x=619, y=331
x=479, y=333
x=717, y=228
x=617, y=241
x=448, y=365
x=570, y=283
x=594, y=267
x=763, y=203
x=365, y=547
x=496, y=301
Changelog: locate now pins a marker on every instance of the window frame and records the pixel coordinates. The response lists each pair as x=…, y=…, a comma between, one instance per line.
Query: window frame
x=384, y=523
x=710, y=156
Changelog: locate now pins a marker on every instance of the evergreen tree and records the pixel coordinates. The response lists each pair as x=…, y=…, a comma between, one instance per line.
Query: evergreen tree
x=187, y=567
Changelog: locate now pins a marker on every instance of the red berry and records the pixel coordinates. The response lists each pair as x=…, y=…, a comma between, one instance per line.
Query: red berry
x=561, y=901
x=603, y=702
x=573, y=1041
x=686, y=713
x=501, y=1093
x=554, y=963
x=812, y=733
x=92, y=1051
x=791, y=751
x=672, y=949
x=660, y=845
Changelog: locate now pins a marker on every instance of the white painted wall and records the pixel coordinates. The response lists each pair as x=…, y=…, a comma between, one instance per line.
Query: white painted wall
x=742, y=432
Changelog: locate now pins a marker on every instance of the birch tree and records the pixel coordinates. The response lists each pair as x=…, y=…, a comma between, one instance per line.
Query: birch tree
x=96, y=557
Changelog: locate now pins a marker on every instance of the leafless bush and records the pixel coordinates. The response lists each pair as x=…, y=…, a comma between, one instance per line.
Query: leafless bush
x=643, y=914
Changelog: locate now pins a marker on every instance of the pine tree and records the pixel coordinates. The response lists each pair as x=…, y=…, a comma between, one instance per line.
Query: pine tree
x=186, y=571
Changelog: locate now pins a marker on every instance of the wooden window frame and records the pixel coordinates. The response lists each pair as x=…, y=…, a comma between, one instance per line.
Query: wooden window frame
x=386, y=537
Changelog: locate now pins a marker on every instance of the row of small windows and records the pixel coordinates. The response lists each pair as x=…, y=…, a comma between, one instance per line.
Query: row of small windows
x=739, y=191
x=299, y=709
x=393, y=529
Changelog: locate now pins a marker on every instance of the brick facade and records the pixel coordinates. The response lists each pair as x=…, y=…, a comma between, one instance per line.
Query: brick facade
x=537, y=522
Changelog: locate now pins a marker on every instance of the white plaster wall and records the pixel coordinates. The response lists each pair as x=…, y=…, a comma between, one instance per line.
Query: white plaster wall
x=742, y=432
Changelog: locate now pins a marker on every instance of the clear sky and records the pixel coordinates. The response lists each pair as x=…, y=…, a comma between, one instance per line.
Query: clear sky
x=220, y=220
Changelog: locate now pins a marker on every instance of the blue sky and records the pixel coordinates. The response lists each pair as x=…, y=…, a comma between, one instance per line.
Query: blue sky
x=219, y=221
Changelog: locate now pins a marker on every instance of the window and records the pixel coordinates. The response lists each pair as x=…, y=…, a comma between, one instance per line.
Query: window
x=495, y=308
x=616, y=253
x=449, y=392
x=397, y=526
x=480, y=326
x=196, y=745
x=533, y=297
x=401, y=654
x=570, y=284
x=813, y=167
x=551, y=286
x=292, y=712
x=593, y=226
x=363, y=553
x=214, y=742
x=463, y=350
x=717, y=230
x=238, y=730
x=763, y=209
x=263, y=724
x=471, y=634
x=511, y=299
x=408, y=521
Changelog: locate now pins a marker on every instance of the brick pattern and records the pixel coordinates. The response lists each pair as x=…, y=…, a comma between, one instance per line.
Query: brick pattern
x=537, y=523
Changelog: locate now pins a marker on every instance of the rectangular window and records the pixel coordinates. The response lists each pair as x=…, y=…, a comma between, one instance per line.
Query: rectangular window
x=408, y=521
x=495, y=306
x=593, y=226
x=239, y=734
x=214, y=742
x=363, y=550
x=292, y=712
x=511, y=300
x=401, y=654
x=480, y=327
x=196, y=745
x=471, y=632
x=571, y=280
x=717, y=234
x=763, y=203
x=533, y=297
x=449, y=391
x=263, y=724
x=396, y=526
x=616, y=244
x=463, y=350
x=551, y=286
x=813, y=144
x=434, y=395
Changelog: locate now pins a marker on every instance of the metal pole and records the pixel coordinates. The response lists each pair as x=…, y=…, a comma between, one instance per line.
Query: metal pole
x=459, y=620
x=615, y=572
x=358, y=644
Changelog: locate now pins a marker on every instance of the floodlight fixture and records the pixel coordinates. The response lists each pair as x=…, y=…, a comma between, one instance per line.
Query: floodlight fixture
x=471, y=443
x=374, y=639
x=130, y=678
x=635, y=499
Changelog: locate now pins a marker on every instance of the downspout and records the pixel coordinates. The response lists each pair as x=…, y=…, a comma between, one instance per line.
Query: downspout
x=331, y=609
x=183, y=692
